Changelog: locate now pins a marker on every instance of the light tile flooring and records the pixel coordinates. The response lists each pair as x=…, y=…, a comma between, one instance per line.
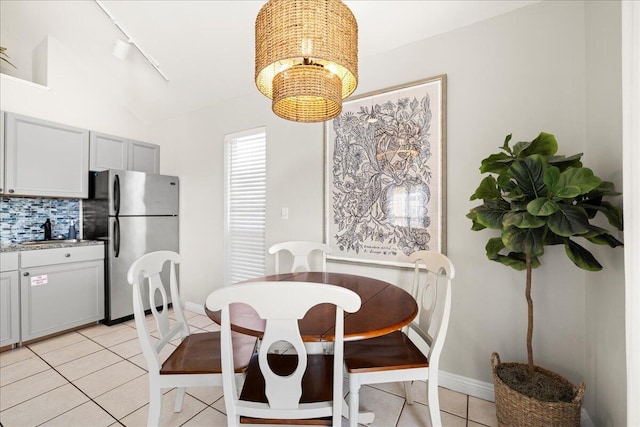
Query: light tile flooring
x=96, y=377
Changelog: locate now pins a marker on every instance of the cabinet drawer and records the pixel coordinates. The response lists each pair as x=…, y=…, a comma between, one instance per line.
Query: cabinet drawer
x=61, y=255
x=8, y=261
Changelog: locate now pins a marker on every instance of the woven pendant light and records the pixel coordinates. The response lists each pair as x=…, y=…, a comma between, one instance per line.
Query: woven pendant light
x=306, y=57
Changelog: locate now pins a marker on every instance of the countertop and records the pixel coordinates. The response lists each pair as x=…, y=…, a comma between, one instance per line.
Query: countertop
x=51, y=244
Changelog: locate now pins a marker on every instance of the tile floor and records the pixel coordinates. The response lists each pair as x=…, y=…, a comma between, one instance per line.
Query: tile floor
x=96, y=377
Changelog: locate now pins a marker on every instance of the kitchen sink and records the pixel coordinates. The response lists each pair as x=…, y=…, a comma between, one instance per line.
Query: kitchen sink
x=49, y=242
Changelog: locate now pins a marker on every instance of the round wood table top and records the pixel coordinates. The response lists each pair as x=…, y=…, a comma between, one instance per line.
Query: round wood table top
x=385, y=308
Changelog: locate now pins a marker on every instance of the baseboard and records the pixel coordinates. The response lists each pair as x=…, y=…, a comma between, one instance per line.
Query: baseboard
x=585, y=419
x=196, y=308
x=480, y=389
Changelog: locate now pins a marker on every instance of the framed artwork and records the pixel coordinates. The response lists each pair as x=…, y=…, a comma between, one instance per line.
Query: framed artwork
x=385, y=174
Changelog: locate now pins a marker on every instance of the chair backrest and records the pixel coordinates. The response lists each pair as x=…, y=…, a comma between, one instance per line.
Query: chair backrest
x=432, y=277
x=282, y=304
x=301, y=251
x=147, y=269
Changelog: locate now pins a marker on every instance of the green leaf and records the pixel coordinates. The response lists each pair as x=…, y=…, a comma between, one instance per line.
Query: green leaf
x=496, y=163
x=520, y=147
x=524, y=240
x=613, y=214
x=493, y=247
x=568, y=221
x=516, y=261
x=505, y=146
x=563, y=162
x=542, y=207
x=545, y=145
x=522, y=219
x=488, y=189
x=490, y=213
x=606, y=188
x=553, y=239
x=551, y=177
x=581, y=257
x=601, y=236
x=518, y=205
x=476, y=226
x=583, y=178
x=570, y=192
x=505, y=183
x=605, y=239
x=529, y=174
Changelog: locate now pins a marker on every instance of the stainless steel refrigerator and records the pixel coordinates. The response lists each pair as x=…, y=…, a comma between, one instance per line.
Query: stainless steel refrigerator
x=134, y=213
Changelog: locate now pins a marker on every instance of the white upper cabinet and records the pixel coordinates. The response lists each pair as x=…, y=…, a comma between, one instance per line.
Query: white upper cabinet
x=113, y=152
x=143, y=157
x=107, y=152
x=45, y=158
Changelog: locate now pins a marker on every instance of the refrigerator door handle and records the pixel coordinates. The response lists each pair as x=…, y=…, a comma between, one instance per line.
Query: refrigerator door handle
x=116, y=194
x=116, y=237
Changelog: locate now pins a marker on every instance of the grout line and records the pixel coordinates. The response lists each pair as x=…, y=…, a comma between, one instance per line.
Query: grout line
x=77, y=388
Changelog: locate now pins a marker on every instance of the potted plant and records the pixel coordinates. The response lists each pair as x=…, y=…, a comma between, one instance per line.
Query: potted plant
x=4, y=57
x=536, y=199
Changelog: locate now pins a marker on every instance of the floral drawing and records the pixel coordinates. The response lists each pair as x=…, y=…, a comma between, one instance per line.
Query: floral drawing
x=381, y=177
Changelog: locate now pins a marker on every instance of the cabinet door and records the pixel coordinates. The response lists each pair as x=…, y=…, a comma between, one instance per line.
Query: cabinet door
x=107, y=152
x=45, y=158
x=1, y=152
x=59, y=297
x=9, y=308
x=144, y=157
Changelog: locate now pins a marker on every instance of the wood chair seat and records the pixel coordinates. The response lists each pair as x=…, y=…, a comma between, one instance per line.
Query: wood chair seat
x=317, y=384
x=200, y=354
x=387, y=352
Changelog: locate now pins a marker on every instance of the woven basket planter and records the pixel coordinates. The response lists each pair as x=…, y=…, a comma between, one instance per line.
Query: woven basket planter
x=514, y=409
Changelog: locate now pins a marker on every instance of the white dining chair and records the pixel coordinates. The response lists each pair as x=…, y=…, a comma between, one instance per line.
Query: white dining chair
x=301, y=251
x=196, y=360
x=394, y=357
x=293, y=386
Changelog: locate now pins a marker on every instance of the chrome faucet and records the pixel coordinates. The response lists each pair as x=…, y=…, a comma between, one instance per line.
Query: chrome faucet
x=47, y=229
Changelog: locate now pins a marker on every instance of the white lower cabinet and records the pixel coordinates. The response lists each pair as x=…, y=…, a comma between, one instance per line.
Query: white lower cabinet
x=9, y=299
x=60, y=289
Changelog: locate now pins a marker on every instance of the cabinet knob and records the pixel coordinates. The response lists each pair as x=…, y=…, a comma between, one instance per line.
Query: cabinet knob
x=26, y=273
x=11, y=191
x=67, y=255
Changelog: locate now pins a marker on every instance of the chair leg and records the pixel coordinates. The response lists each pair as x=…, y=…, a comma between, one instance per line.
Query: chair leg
x=155, y=405
x=354, y=400
x=407, y=392
x=433, y=400
x=180, y=391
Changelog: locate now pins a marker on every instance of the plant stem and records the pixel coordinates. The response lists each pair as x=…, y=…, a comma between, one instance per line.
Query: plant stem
x=530, y=317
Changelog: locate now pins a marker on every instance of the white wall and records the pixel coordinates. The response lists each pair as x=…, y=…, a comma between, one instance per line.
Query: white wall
x=520, y=73
x=605, y=291
x=71, y=96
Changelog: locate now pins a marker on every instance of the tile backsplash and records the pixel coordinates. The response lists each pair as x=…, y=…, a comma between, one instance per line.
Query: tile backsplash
x=21, y=218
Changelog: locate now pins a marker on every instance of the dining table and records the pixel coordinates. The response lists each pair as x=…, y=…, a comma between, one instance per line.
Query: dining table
x=384, y=308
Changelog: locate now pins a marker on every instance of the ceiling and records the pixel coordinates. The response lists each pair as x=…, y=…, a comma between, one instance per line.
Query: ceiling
x=205, y=48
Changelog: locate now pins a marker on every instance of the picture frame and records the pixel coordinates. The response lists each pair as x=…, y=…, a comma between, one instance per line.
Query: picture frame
x=385, y=174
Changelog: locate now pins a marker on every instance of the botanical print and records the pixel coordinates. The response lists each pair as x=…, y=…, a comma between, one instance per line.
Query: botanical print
x=384, y=175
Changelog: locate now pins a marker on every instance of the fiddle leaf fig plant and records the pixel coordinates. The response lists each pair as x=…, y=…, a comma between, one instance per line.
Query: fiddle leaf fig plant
x=536, y=198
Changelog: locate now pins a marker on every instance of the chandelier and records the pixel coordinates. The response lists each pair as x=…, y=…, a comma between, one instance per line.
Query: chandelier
x=306, y=57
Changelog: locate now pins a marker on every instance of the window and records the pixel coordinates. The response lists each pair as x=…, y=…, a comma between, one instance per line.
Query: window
x=245, y=205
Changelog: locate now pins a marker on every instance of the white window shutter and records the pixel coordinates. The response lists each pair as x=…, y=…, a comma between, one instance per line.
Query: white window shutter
x=245, y=205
